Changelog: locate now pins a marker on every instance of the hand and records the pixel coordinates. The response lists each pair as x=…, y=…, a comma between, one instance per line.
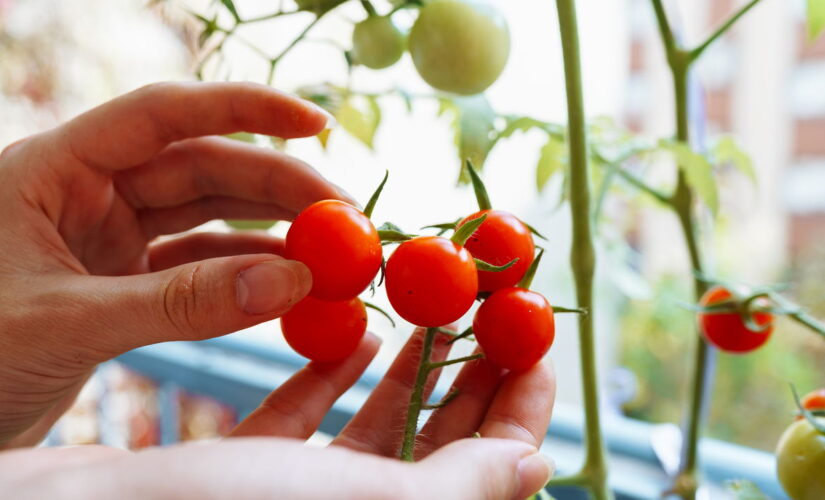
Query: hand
x=81, y=280
x=510, y=410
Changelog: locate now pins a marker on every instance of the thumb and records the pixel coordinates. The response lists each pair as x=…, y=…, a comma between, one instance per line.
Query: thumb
x=193, y=301
x=485, y=468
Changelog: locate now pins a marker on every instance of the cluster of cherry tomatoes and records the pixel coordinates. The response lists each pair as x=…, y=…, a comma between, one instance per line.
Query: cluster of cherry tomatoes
x=431, y=281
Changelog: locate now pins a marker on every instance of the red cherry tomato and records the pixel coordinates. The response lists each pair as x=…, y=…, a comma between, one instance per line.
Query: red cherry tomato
x=515, y=328
x=814, y=400
x=727, y=331
x=431, y=281
x=340, y=246
x=325, y=331
x=499, y=240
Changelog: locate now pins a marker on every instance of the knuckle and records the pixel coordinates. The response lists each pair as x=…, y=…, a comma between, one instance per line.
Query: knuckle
x=180, y=302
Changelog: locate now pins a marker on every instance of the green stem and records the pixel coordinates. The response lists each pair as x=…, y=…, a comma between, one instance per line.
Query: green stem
x=455, y=361
x=582, y=253
x=274, y=61
x=417, y=396
x=267, y=17
x=697, y=52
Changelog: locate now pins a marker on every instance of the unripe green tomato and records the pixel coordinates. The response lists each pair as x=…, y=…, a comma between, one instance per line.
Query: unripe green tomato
x=242, y=225
x=318, y=6
x=377, y=43
x=459, y=46
x=800, y=461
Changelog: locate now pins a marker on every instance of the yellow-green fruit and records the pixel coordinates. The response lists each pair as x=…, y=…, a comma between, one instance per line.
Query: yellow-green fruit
x=800, y=461
x=250, y=224
x=459, y=46
x=242, y=136
x=377, y=43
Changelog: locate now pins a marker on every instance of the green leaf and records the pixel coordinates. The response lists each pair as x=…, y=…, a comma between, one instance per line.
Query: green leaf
x=230, y=6
x=519, y=124
x=474, y=126
x=698, y=172
x=360, y=121
x=727, y=152
x=551, y=160
x=745, y=490
x=816, y=18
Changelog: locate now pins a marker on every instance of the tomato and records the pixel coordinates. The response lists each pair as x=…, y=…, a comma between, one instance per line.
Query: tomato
x=727, y=331
x=325, y=331
x=250, y=224
x=498, y=241
x=318, y=6
x=377, y=43
x=814, y=400
x=431, y=281
x=459, y=46
x=800, y=461
x=515, y=328
x=339, y=245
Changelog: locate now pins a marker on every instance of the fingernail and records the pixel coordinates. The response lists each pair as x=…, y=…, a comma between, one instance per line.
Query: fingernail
x=331, y=121
x=272, y=286
x=534, y=471
x=348, y=197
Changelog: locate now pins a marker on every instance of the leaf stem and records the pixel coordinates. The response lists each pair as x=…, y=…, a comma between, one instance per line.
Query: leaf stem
x=464, y=359
x=698, y=51
x=582, y=253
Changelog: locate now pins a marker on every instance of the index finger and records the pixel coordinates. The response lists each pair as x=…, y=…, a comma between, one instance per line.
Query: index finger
x=131, y=129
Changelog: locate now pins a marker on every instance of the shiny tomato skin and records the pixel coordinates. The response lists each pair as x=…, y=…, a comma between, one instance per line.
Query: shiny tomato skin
x=377, y=43
x=431, y=281
x=339, y=245
x=501, y=238
x=800, y=461
x=325, y=331
x=727, y=331
x=515, y=328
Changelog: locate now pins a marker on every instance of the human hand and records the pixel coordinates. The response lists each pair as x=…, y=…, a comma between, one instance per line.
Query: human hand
x=81, y=280
x=510, y=410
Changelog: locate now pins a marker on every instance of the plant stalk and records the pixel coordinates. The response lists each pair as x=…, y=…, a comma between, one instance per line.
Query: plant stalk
x=582, y=253
x=417, y=396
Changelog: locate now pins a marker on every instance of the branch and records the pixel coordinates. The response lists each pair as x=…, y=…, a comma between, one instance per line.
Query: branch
x=440, y=364
x=664, y=27
x=697, y=52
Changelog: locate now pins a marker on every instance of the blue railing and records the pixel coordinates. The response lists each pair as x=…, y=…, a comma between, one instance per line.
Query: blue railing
x=240, y=373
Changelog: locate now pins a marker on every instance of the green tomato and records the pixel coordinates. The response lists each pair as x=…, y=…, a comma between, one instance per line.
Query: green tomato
x=459, y=46
x=800, y=461
x=377, y=43
x=318, y=6
x=250, y=224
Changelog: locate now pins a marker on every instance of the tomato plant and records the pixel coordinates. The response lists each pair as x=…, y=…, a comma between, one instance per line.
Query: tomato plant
x=800, y=461
x=431, y=281
x=728, y=330
x=515, y=328
x=325, y=331
x=814, y=400
x=318, y=6
x=377, y=43
x=502, y=238
x=458, y=46
x=340, y=246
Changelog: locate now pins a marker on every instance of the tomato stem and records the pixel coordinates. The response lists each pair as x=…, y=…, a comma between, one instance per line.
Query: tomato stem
x=582, y=253
x=463, y=335
x=417, y=396
x=369, y=8
x=464, y=359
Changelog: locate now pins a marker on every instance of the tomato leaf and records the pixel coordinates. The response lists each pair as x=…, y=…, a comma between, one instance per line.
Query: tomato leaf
x=816, y=18
x=727, y=152
x=745, y=490
x=551, y=161
x=360, y=121
x=698, y=172
x=474, y=125
x=519, y=124
x=230, y=6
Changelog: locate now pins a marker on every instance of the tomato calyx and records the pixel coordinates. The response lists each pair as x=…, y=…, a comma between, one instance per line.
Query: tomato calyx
x=375, y=195
x=480, y=190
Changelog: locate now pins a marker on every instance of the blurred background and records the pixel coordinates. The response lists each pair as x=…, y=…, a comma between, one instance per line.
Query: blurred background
x=762, y=84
